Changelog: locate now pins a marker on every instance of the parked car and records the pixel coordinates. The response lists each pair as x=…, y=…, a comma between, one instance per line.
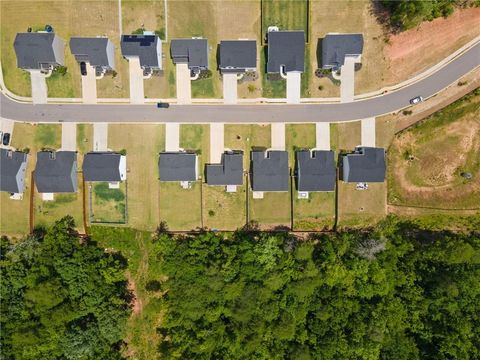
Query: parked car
x=163, y=105
x=362, y=186
x=416, y=100
x=1, y=136
x=6, y=139
x=83, y=68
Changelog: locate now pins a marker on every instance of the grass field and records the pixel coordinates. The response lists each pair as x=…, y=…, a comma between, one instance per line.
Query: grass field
x=286, y=14
x=345, y=136
x=196, y=138
x=180, y=208
x=46, y=136
x=299, y=137
x=84, y=138
x=222, y=210
x=272, y=211
x=107, y=205
x=142, y=143
x=315, y=213
x=427, y=160
x=246, y=137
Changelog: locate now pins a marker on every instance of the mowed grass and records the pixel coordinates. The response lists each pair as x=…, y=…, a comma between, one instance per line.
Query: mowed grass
x=345, y=136
x=142, y=143
x=63, y=16
x=286, y=14
x=181, y=208
x=299, y=137
x=272, y=211
x=222, y=210
x=84, y=138
x=196, y=138
x=245, y=138
x=107, y=205
x=427, y=160
x=315, y=213
x=47, y=136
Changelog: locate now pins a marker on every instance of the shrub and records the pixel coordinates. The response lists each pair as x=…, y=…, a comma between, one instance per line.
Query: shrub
x=211, y=213
x=153, y=286
x=251, y=88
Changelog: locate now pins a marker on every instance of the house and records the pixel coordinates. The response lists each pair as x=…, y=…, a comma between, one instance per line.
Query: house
x=315, y=171
x=13, y=165
x=178, y=166
x=286, y=51
x=56, y=172
x=147, y=48
x=365, y=164
x=269, y=170
x=104, y=166
x=336, y=47
x=193, y=52
x=228, y=173
x=99, y=52
x=238, y=56
x=39, y=50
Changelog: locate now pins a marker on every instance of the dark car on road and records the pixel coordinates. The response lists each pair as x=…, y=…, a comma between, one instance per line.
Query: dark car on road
x=83, y=68
x=163, y=105
x=6, y=139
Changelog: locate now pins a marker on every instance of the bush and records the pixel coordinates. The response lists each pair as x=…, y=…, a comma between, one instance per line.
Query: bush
x=251, y=88
x=60, y=70
x=123, y=152
x=320, y=87
x=205, y=74
x=211, y=213
x=139, y=31
x=160, y=33
x=153, y=286
x=407, y=112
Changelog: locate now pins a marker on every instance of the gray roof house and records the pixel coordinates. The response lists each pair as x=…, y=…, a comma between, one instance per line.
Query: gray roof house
x=13, y=165
x=229, y=172
x=178, y=166
x=194, y=52
x=98, y=51
x=238, y=56
x=286, y=51
x=148, y=48
x=104, y=166
x=39, y=50
x=269, y=170
x=315, y=171
x=56, y=171
x=365, y=164
x=335, y=47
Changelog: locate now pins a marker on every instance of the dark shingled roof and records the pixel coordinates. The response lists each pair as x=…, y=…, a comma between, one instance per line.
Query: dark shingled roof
x=91, y=49
x=269, y=170
x=33, y=49
x=286, y=48
x=229, y=172
x=102, y=166
x=336, y=46
x=238, y=54
x=315, y=171
x=56, y=172
x=12, y=170
x=143, y=46
x=191, y=51
x=177, y=166
x=366, y=164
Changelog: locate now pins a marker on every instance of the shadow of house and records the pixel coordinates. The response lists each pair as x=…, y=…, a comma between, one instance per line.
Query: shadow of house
x=319, y=53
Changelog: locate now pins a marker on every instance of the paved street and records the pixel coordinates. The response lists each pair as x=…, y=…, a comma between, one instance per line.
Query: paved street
x=300, y=113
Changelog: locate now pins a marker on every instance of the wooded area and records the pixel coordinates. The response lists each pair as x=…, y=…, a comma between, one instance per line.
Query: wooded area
x=395, y=292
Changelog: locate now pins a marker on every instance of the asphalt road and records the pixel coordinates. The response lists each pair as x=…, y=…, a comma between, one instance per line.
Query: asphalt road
x=300, y=113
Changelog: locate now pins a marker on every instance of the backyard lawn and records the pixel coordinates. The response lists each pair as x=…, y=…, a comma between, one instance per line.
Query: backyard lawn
x=272, y=211
x=222, y=210
x=180, y=208
x=315, y=213
x=107, y=205
x=286, y=14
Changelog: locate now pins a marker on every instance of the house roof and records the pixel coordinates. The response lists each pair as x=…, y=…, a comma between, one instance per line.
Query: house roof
x=315, y=171
x=143, y=46
x=229, y=172
x=238, y=54
x=269, y=170
x=177, y=166
x=365, y=164
x=12, y=170
x=102, y=166
x=56, y=172
x=91, y=49
x=286, y=48
x=336, y=46
x=191, y=51
x=35, y=48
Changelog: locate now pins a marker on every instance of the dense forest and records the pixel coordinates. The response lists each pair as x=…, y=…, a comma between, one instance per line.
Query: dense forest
x=406, y=14
x=395, y=292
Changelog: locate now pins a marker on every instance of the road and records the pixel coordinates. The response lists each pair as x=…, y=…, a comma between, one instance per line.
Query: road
x=262, y=113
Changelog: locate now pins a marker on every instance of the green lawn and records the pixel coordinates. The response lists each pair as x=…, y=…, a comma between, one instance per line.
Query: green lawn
x=180, y=208
x=84, y=138
x=286, y=14
x=222, y=210
x=196, y=138
x=48, y=136
x=271, y=88
x=315, y=213
x=14, y=214
x=299, y=137
x=108, y=205
x=271, y=211
x=246, y=137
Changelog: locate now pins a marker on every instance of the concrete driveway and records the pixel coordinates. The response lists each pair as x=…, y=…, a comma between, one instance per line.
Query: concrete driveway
x=230, y=88
x=294, y=81
x=89, y=86
x=100, y=137
x=39, y=87
x=69, y=136
x=347, y=79
x=172, y=137
x=322, y=132
x=137, y=94
x=217, y=142
x=277, y=133
x=184, y=86
x=368, y=132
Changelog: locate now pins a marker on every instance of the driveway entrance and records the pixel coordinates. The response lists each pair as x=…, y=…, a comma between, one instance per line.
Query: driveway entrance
x=39, y=87
x=322, y=136
x=137, y=95
x=230, y=88
x=368, y=132
x=293, y=87
x=347, y=79
x=100, y=136
x=184, y=87
x=217, y=146
x=89, y=86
